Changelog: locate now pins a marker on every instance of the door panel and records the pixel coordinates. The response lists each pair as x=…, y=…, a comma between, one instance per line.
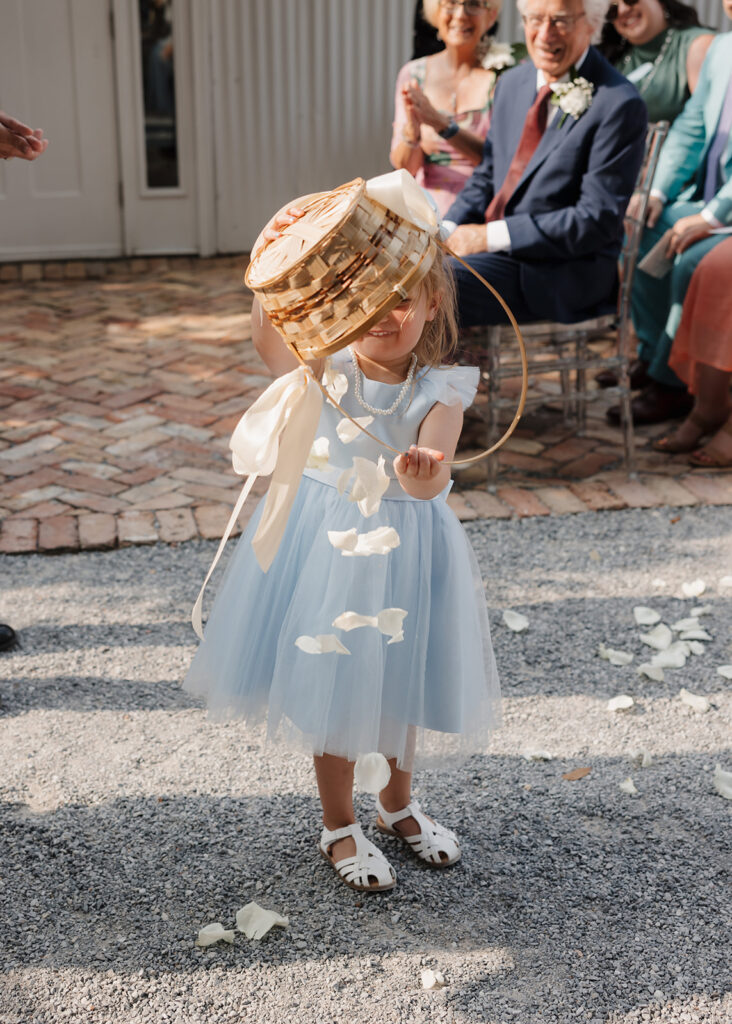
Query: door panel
x=56, y=73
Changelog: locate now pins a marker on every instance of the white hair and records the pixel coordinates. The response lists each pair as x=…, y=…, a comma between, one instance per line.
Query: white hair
x=431, y=7
x=595, y=12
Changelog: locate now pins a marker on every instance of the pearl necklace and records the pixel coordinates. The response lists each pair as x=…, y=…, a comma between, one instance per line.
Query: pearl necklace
x=642, y=86
x=399, y=398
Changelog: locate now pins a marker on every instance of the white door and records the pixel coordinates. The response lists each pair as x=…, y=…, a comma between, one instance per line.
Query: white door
x=56, y=73
x=154, y=64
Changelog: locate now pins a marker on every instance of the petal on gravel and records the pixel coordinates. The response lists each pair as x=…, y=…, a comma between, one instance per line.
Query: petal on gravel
x=255, y=921
x=628, y=786
x=537, y=755
x=576, y=773
x=212, y=933
x=695, y=647
x=702, y=609
x=642, y=758
x=654, y=672
x=695, y=634
x=682, y=624
x=660, y=638
x=725, y=581
x=658, y=582
x=673, y=657
x=621, y=703
x=515, y=621
x=694, y=588
x=694, y=700
x=323, y=643
x=613, y=656
x=725, y=671
x=723, y=782
x=432, y=979
x=372, y=772
x=645, y=616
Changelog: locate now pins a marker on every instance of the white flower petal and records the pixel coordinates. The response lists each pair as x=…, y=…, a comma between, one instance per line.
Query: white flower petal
x=432, y=979
x=673, y=657
x=613, y=656
x=369, y=485
x=694, y=700
x=348, y=431
x=319, y=454
x=628, y=786
x=389, y=622
x=371, y=772
x=694, y=588
x=654, y=672
x=336, y=384
x=642, y=758
x=537, y=755
x=645, y=616
x=695, y=647
x=376, y=542
x=660, y=638
x=343, y=479
x=620, y=703
x=515, y=621
x=702, y=609
x=658, y=582
x=323, y=643
x=725, y=671
x=255, y=921
x=723, y=782
x=725, y=581
x=695, y=634
x=212, y=933
x=681, y=624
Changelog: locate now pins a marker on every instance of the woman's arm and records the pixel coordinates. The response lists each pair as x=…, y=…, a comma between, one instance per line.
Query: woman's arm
x=465, y=142
x=406, y=151
x=421, y=471
x=695, y=58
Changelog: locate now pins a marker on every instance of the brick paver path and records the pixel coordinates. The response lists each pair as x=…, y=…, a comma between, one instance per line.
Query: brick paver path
x=120, y=386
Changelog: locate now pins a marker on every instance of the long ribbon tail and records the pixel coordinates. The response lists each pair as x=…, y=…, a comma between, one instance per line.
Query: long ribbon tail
x=295, y=444
x=197, y=613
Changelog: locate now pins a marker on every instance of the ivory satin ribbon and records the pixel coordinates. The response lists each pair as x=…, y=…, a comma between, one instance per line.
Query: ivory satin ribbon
x=275, y=434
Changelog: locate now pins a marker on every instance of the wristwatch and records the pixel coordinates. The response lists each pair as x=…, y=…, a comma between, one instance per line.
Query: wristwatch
x=452, y=129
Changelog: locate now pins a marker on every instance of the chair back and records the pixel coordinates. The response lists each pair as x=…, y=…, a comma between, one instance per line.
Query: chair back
x=655, y=137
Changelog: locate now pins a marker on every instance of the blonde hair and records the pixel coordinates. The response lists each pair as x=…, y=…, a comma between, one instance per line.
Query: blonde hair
x=439, y=335
x=431, y=7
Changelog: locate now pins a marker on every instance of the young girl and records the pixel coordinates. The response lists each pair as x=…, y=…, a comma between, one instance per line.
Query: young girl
x=284, y=646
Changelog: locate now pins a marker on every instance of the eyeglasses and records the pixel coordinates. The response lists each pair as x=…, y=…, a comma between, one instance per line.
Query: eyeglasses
x=563, y=23
x=612, y=11
x=471, y=7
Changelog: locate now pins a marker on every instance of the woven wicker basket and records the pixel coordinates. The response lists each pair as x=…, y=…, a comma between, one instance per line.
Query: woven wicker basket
x=338, y=269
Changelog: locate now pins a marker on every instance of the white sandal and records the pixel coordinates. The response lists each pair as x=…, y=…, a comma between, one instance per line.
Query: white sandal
x=368, y=870
x=436, y=845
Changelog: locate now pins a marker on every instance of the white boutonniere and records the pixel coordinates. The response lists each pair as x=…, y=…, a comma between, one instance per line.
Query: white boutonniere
x=573, y=97
x=497, y=57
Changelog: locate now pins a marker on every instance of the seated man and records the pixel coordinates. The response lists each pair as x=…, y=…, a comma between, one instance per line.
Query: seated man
x=541, y=217
x=691, y=195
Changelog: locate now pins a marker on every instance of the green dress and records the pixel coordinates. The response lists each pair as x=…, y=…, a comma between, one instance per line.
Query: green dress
x=658, y=71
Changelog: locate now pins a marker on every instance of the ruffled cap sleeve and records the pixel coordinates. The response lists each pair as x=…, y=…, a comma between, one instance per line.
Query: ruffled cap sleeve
x=451, y=385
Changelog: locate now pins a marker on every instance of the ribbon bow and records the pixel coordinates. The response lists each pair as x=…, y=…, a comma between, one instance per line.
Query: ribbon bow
x=273, y=436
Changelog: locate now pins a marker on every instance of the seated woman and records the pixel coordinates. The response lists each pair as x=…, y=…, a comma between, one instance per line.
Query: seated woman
x=443, y=101
x=660, y=47
x=702, y=357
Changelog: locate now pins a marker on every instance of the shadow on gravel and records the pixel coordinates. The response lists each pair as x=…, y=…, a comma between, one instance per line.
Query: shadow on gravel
x=46, y=636
x=92, y=693
x=563, y=887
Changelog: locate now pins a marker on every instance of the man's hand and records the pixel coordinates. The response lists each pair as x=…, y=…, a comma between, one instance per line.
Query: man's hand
x=654, y=209
x=18, y=140
x=685, y=232
x=468, y=239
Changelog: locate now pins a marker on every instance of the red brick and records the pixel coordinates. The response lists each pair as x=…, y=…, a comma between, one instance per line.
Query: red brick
x=18, y=536
x=486, y=505
x=713, y=490
x=30, y=481
x=97, y=530
x=635, y=494
x=522, y=501
x=560, y=500
x=460, y=507
x=595, y=496
x=121, y=399
x=571, y=448
x=590, y=464
x=44, y=510
x=671, y=492
x=59, y=534
x=211, y=521
x=176, y=525
x=136, y=528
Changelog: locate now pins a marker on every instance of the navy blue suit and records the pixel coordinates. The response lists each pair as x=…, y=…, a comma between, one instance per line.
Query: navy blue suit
x=565, y=217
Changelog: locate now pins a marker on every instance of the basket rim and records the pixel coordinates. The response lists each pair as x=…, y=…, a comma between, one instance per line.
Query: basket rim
x=311, y=198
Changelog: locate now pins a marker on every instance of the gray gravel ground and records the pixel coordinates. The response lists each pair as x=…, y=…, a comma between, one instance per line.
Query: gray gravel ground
x=129, y=821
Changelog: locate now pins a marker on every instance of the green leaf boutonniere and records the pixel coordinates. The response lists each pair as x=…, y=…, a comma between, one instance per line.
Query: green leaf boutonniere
x=573, y=97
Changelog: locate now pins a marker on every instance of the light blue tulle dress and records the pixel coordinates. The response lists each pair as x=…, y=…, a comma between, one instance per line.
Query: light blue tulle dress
x=434, y=692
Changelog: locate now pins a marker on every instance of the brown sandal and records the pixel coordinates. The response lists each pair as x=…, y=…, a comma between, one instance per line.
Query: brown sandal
x=708, y=458
x=673, y=445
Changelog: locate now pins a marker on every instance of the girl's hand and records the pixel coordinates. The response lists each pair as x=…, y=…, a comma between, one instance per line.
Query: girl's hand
x=421, y=464
x=280, y=221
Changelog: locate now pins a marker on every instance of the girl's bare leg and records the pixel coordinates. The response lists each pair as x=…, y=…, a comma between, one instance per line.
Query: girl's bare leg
x=335, y=786
x=398, y=791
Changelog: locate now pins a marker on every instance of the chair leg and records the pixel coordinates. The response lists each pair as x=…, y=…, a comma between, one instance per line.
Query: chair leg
x=626, y=420
x=581, y=385
x=494, y=389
